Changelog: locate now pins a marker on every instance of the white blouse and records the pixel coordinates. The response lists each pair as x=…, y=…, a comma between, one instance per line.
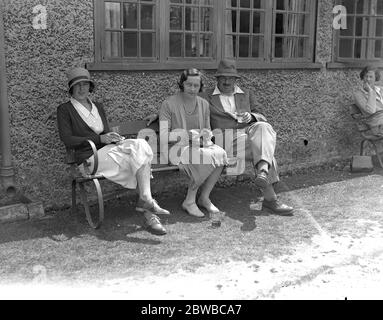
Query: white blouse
x=92, y=118
x=228, y=101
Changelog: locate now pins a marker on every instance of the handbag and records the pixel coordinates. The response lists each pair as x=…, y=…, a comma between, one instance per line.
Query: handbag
x=361, y=164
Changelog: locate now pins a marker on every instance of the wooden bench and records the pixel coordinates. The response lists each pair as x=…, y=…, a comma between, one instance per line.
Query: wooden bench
x=129, y=129
x=364, y=130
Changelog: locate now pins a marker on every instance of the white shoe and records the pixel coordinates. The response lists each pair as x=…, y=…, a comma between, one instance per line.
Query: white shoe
x=193, y=210
x=209, y=206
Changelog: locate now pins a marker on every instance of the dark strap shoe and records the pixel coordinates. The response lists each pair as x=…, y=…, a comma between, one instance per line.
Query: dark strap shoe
x=262, y=180
x=150, y=207
x=275, y=207
x=153, y=225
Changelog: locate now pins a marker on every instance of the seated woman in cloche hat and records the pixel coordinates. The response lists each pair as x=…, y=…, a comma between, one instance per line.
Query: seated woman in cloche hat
x=81, y=119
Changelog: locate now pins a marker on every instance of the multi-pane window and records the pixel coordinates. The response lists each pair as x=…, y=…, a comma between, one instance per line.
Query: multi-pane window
x=130, y=29
x=170, y=33
x=248, y=33
x=292, y=29
x=362, y=39
x=191, y=28
x=245, y=29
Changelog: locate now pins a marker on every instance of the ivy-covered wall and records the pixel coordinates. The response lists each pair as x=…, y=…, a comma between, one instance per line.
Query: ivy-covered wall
x=308, y=108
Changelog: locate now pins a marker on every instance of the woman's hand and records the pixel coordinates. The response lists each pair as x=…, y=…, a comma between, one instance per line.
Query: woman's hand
x=151, y=118
x=201, y=138
x=244, y=117
x=110, y=137
x=206, y=134
x=368, y=88
x=261, y=118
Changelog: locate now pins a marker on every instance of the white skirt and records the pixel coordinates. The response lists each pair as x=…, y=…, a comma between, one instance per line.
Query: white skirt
x=199, y=163
x=119, y=163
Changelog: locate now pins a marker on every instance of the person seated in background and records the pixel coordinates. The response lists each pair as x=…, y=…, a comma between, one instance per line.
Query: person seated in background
x=123, y=161
x=187, y=115
x=369, y=99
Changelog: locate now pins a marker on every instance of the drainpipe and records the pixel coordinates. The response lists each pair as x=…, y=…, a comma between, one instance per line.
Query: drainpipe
x=7, y=175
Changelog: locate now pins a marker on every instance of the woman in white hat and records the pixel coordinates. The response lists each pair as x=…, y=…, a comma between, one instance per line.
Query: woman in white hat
x=126, y=163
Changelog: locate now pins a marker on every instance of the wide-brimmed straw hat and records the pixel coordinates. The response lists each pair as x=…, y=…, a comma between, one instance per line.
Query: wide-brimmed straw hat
x=77, y=75
x=227, y=68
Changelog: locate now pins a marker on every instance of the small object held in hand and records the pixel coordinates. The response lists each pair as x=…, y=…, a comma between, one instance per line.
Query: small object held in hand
x=118, y=137
x=241, y=117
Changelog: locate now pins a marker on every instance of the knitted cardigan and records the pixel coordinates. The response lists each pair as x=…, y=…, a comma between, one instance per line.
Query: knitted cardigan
x=74, y=131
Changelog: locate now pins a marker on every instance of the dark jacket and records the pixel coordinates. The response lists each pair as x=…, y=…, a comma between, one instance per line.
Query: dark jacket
x=74, y=131
x=220, y=119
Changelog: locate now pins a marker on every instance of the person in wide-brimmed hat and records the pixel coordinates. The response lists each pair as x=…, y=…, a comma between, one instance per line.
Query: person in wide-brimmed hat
x=233, y=108
x=227, y=68
x=80, y=119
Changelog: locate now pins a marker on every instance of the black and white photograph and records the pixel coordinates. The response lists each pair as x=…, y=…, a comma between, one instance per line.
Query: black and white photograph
x=219, y=151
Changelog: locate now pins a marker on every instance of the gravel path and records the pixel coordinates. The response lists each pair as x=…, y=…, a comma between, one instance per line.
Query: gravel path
x=329, y=268
x=342, y=260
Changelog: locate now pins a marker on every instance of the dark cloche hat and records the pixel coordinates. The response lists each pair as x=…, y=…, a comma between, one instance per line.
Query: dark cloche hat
x=77, y=75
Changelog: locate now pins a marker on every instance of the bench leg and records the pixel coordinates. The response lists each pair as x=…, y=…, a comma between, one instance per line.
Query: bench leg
x=377, y=154
x=84, y=200
x=362, y=145
x=74, y=206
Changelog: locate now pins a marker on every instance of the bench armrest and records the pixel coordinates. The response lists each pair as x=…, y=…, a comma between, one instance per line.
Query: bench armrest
x=71, y=159
x=95, y=155
x=359, y=118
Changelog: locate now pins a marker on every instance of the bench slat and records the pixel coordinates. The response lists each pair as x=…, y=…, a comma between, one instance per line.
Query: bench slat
x=132, y=127
x=160, y=168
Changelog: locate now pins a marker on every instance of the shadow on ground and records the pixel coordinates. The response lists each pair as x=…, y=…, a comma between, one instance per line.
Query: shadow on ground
x=122, y=221
x=69, y=249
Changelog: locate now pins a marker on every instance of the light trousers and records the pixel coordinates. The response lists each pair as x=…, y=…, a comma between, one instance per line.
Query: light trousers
x=256, y=142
